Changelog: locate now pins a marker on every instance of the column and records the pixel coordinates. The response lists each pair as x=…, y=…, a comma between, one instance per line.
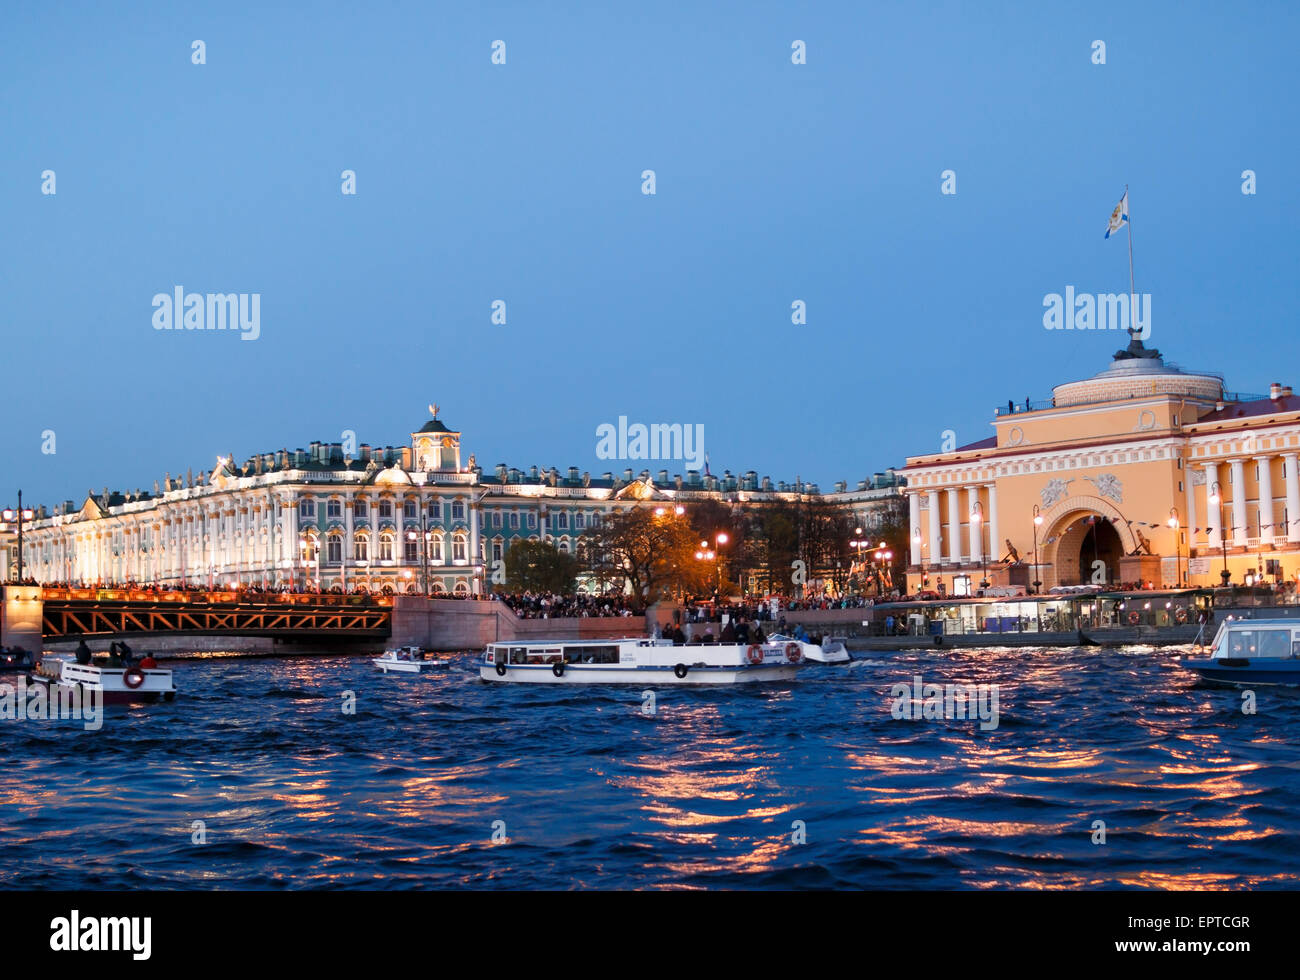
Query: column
x=474, y=559
x=954, y=527
x=936, y=529
x=976, y=528
x=914, y=525
x=1190, y=523
x=1239, y=518
x=995, y=538
x=1266, y=528
x=1289, y=467
x=1213, y=510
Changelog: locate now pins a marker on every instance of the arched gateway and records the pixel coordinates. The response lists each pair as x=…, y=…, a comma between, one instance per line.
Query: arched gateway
x=1079, y=532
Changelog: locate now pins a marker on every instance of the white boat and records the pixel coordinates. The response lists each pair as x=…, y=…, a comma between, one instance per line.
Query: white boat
x=1252, y=651
x=117, y=685
x=641, y=661
x=407, y=660
x=831, y=651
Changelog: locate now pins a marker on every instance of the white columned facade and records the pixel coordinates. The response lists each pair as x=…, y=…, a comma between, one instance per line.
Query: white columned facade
x=976, y=528
x=1289, y=467
x=995, y=538
x=936, y=529
x=1239, y=518
x=954, y=527
x=1213, y=509
x=914, y=526
x=1266, y=528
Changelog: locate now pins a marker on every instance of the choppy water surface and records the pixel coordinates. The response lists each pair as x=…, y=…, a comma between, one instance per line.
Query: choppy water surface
x=406, y=792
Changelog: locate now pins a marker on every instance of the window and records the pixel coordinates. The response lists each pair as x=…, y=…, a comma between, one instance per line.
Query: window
x=579, y=520
x=562, y=520
x=363, y=548
x=385, y=547
x=412, y=550
x=496, y=550
x=435, y=549
x=307, y=508
x=334, y=508
x=514, y=518
x=458, y=547
x=385, y=508
x=457, y=510
x=435, y=510
x=334, y=549
x=360, y=507
x=532, y=520
x=408, y=510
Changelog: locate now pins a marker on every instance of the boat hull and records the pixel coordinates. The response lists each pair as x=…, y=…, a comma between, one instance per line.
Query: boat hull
x=1257, y=670
x=640, y=674
x=108, y=696
x=412, y=667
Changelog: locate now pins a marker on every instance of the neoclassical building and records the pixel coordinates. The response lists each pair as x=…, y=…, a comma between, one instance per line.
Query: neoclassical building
x=1143, y=473
x=389, y=518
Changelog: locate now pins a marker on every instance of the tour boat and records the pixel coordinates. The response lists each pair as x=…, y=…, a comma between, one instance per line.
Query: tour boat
x=642, y=661
x=1252, y=651
x=15, y=658
x=118, y=685
x=407, y=660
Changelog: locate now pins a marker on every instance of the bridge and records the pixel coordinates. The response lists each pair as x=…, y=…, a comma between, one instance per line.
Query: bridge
x=119, y=613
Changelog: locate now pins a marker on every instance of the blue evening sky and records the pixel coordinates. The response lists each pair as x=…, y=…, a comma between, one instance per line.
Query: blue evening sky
x=522, y=182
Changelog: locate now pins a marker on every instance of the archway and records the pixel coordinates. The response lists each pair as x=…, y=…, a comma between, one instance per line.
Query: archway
x=1080, y=532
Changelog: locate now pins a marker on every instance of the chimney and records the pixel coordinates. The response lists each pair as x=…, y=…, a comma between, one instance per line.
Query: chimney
x=1275, y=391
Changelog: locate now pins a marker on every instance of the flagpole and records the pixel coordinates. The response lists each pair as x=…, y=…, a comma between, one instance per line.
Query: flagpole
x=1132, y=290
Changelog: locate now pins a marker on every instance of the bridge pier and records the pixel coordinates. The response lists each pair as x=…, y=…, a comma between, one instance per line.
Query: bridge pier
x=21, y=609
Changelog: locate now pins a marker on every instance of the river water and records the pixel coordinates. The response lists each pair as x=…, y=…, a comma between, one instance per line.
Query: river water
x=257, y=777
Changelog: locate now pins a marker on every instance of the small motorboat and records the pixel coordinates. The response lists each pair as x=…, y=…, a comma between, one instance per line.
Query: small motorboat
x=831, y=651
x=408, y=660
x=117, y=685
x=1252, y=651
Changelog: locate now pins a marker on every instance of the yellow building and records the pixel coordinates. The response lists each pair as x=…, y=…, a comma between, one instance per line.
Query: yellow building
x=1142, y=474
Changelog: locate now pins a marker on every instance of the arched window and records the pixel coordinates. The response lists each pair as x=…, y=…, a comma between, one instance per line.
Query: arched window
x=334, y=549
x=385, y=508
x=458, y=547
x=334, y=507
x=385, y=547
x=461, y=587
x=411, y=548
x=363, y=547
x=435, y=549
x=409, y=511
x=307, y=508
x=457, y=510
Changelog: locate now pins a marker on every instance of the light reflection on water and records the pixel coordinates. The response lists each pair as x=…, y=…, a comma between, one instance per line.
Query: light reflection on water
x=443, y=781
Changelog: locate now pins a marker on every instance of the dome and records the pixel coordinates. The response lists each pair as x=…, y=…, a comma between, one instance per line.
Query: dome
x=1138, y=372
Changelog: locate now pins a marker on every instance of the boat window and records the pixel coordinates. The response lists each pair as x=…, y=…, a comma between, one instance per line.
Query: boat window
x=519, y=655
x=591, y=655
x=1259, y=643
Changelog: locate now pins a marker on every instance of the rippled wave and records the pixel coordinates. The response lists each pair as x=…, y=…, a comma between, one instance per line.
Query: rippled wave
x=443, y=781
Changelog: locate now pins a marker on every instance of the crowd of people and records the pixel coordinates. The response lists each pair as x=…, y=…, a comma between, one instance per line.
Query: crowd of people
x=540, y=605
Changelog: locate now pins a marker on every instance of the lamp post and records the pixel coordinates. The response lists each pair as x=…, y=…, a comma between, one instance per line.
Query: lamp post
x=19, y=516
x=883, y=559
x=857, y=544
x=1216, y=498
x=1038, y=522
x=1178, y=559
x=977, y=517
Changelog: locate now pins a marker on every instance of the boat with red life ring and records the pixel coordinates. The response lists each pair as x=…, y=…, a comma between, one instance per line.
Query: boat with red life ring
x=117, y=685
x=633, y=660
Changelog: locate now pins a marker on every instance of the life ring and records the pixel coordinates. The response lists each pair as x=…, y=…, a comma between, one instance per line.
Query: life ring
x=557, y=668
x=754, y=654
x=793, y=653
x=501, y=670
x=1180, y=614
x=133, y=674
x=1134, y=617
x=680, y=670
x=938, y=640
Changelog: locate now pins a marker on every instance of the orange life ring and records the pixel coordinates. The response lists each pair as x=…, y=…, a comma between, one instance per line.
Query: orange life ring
x=1134, y=617
x=1180, y=614
x=755, y=654
x=133, y=674
x=793, y=652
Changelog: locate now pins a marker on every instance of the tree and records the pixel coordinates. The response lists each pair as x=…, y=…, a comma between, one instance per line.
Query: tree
x=536, y=566
x=654, y=553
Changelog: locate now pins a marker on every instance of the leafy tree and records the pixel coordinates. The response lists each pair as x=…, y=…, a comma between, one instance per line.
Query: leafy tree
x=537, y=566
x=653, y=552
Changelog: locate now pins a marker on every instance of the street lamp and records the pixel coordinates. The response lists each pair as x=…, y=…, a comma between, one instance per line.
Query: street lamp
x=857, y=544
x=883, y=558
x=1038, y=522
x=19, y=515
x=977, y=516
x=1178, y=560
x=1216, y=498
